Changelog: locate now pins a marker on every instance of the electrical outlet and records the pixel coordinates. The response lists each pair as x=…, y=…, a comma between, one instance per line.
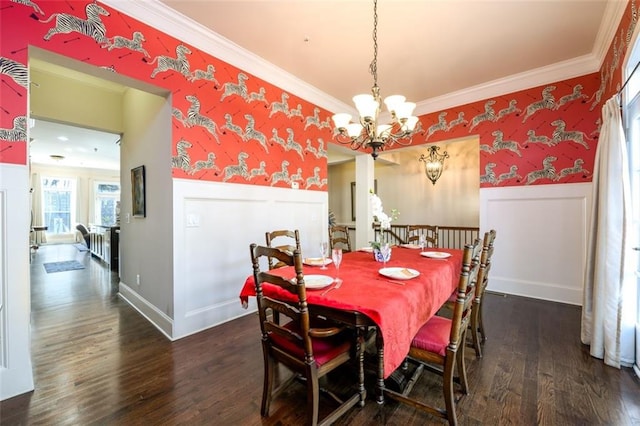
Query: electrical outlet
x=138, y=279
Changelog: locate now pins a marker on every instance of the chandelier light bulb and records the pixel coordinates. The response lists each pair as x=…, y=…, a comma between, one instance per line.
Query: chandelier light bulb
x=341, y=120
x=354, y=129
x=393, y=102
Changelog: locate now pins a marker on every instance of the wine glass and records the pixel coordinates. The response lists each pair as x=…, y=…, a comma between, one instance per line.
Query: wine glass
x=336, y=256
x=385, y=251
x=324, y=251
x=422, y=242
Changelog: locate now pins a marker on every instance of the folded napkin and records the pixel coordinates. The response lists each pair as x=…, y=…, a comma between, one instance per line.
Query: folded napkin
x=406, y=273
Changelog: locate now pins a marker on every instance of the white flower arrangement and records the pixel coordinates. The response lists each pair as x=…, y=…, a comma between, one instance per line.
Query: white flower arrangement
x=380, y=216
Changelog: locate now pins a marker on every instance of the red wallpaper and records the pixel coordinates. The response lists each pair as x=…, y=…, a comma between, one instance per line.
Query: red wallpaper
x=228, y=125
x=233, y=127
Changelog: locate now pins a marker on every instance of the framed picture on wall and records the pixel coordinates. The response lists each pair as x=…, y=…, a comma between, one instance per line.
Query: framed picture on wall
x=137, y=192
x=353, y=197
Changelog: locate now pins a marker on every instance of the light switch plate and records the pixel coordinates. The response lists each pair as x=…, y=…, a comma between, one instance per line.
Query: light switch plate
x=193, y=220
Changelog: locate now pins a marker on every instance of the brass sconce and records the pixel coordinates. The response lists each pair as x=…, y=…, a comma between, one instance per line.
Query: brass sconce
x=433, y=163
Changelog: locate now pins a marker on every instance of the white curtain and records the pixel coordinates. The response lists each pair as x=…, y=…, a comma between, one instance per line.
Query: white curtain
x=609, y=305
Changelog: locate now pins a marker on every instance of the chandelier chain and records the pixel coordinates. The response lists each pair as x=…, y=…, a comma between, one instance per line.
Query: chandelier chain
x=367, y=131
x=373, y=67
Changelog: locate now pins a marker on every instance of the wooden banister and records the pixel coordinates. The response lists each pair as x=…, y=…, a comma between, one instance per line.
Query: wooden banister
x=454, y=237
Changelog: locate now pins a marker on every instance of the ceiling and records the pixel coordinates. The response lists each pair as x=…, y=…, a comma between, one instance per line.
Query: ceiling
x=82, y=147
x=427, y=49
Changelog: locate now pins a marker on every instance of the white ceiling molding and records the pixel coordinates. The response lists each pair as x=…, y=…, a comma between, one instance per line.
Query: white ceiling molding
x=167, y=20
x=612, y=17
x=515, y=83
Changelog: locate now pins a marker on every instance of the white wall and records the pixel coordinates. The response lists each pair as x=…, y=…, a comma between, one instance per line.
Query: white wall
x=63, y=99
x=540, y=247
x=16, y=376
x=402, y=184
x=147, y=242
x=214, y=224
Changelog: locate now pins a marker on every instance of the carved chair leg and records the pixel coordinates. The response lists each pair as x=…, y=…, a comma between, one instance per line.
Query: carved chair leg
x=269, y=366
x=481, y=324
x=462, y=370
x=360, y=351
x=447, y=379
x=475, y=326
x=313, y=396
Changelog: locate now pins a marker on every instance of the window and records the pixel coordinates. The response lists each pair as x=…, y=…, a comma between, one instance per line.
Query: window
x=107, y=203
x=632, y=129
x=59, y=204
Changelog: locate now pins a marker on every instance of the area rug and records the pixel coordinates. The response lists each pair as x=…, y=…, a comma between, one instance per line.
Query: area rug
x=81, y=247
x=67, y=265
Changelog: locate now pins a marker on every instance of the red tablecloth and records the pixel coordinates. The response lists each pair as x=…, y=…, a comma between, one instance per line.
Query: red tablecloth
x=398, y=310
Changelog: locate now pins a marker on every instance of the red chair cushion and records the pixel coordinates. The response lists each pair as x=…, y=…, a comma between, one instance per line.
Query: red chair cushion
x=433, y=336
x=453, y=296
x=324, y=350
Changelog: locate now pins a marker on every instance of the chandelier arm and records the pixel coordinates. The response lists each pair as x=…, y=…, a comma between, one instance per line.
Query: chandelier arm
x=400, y=139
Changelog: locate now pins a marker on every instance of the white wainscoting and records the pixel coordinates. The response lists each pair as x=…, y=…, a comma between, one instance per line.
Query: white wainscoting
x=540, y=248
x=214, y=224
x=16, y=375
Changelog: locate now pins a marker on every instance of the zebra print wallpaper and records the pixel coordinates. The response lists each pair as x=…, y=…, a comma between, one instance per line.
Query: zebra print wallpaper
x=232, y=127
x=228, y=125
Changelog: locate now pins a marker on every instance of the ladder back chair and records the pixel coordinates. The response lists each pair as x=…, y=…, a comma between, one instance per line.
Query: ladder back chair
x=430, y=233
x=440, y=342
x=478, y=334
x=288, y=241
x=307, y=346
x=339, y=238
x=477, y=325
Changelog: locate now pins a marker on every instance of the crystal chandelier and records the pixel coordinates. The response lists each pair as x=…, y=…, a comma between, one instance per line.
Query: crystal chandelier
x=433, y=163
x=367, y=133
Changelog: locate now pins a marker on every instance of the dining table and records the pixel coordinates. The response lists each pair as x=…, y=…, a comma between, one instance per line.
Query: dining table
x=397, y=297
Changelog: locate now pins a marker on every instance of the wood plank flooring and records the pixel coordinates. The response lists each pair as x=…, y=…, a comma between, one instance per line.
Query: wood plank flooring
x=97, y=361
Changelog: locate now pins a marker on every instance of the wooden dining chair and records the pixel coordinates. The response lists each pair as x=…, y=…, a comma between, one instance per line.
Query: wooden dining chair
x=478, y=335
x=440, y=342
x=288, y=241
x=430, y=233
x=477, y=325
x=307, y=346
x=339, y=238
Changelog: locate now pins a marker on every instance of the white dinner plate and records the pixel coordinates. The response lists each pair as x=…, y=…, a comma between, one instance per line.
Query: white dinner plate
x=367, y=249
x=398, y=273
x=315, y=261
x=316, y=282
x=410, y=246
x=435, y=254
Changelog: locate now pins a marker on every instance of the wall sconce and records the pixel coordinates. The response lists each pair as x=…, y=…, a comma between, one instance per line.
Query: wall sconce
x=433, y=163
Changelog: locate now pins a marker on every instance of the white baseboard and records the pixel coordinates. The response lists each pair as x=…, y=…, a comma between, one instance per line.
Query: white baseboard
x=147, y=310
x=553, y=292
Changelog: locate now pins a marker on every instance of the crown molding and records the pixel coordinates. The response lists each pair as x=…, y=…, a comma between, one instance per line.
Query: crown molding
x=169, y=21
x=612, y=16
x=514, y=83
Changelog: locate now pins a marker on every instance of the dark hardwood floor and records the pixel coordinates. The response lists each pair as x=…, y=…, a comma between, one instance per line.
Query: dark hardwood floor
x=97, y=361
